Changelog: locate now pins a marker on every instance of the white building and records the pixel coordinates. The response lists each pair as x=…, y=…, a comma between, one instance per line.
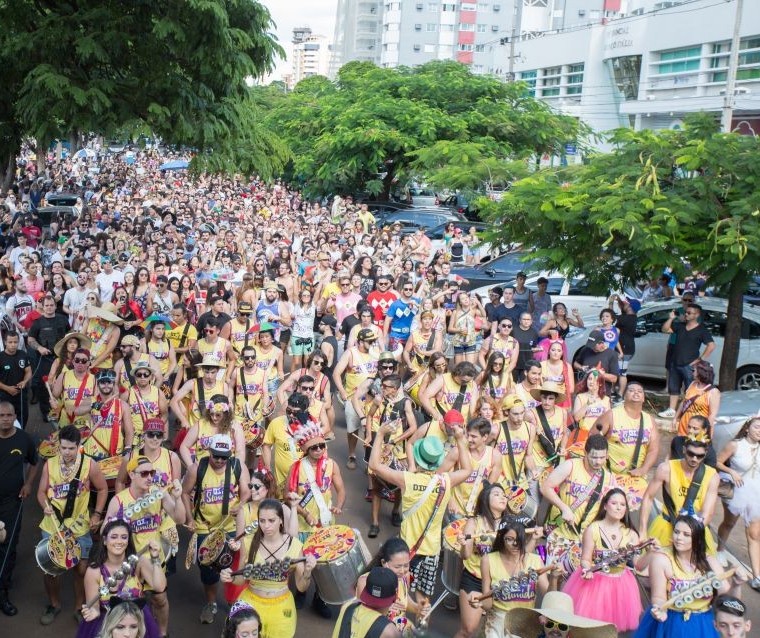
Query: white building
x=310, y=56
x=358, y=29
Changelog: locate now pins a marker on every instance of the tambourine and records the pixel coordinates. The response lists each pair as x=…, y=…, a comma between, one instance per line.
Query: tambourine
x=153, y=497
x=126, y=569
x=620, y=557
x=275, y=570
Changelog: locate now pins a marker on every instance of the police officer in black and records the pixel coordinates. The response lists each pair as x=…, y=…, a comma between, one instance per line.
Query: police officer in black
x=17, y=451
x=15, y=376
x=44, y=333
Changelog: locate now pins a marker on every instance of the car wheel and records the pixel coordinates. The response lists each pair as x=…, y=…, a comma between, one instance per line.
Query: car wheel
x=748, y=378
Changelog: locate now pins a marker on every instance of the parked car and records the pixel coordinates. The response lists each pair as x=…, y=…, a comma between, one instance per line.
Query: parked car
x=736, y=406
x=58, y=214
x=423, y=196
x=502, y=268
x=413, y=218
x=651, y=342
x=61, y=199
x=461, y=204
x=571, y=291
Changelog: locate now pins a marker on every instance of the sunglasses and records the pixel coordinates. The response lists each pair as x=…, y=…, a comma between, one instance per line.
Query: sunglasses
x=146, y=473
x=219, y=457
x=550, y=624
x=318, y=363
x=209, y=330
x=249, y=357
x=154, y=435
x=307, y=388
x=255, y=486
x=80, y=360
x=505, y=325
x=142, y=375
x=318, y=446
x=388, y=366
x=695, y=455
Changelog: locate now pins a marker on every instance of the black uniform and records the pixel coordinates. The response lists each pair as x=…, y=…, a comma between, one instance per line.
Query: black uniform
x=47, y=332
x=12, y=369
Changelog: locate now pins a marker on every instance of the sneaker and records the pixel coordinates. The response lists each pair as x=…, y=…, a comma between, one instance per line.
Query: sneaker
x=351, y=463
x=48, y=616
x=208, y=613
x=396, y=519
x=374, y=530
x=667, y=414
x=755, y=583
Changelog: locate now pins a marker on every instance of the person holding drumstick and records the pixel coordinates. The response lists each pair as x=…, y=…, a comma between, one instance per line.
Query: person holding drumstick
x=64, y=495
x=113, y=549
x=267, y=591
x=213, y=490
x=425, y=495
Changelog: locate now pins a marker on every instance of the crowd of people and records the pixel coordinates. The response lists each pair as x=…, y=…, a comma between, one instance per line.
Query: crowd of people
x=193, y=345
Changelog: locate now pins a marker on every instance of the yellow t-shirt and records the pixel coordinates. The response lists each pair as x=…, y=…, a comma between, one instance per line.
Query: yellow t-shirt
x=285, y=450
x=622, y=439
x=414, y=527
x=212, y=495
x=524, y=595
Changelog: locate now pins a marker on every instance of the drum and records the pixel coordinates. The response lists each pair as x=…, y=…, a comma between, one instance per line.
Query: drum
x=563, y=551
x=110, y=467
x=192, y=551
x=341, y=556
x=253, y=432
x=49, y=447
x=58, y=553
x=170, y=541
x=451, y=573
x=214, y=551
x=634, y=488
x=521, y=504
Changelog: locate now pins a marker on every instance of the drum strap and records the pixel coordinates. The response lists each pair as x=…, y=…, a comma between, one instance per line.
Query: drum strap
x=202, y=469
x=691, y=495
x=510, y=451
x=639, y=441
x=435, y=480
x=71, y=496
x=325, y=515
x=546, y=438
x=590, y=503
x=201, y=397
x=128, y=370
x=345, y=624
x=183, y=338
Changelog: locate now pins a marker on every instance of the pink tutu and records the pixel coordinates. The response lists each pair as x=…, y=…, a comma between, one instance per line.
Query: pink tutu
x=612, y=598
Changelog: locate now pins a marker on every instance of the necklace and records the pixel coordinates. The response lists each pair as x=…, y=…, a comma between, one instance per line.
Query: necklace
x=67, y=470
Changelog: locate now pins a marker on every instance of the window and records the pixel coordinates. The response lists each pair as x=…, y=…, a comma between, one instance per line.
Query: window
x=482, y=6
x=495, y=28
x=679, y=60
x=496, y=8
x=652, y=321
x=418, y=27
x=465, y=47
x=750, y=329
x=480, y=48
x=529, y=77
x=447, y=27
x=431, y=27
x=419, y=6
x=429, y=48
x=465, y=26
x=482, y=28
x=433, y=6
x=574, y=79
x=469, y=6
x=417, y=47
x=449, y=7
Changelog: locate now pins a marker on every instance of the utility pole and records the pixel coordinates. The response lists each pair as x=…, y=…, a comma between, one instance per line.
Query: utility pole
x=733, y=65
x=516, y=30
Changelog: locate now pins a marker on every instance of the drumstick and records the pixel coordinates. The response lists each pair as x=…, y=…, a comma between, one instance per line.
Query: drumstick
x=364, y=443
x=58, y=525
x=467, y=537
x=423, y=621
x=670, y=602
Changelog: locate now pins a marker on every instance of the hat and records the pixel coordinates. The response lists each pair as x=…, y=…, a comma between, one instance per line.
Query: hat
x=453, y=417
x=549, y=386
x=556, y=606
x=245, y=308
x=107, y=312
x=329, y=320
x=308, y=433
x=512, y=401
x=105, y=374
x=380, y=588
x=272, y=285
x=130, y=340
x=153, y=425
x=366, y=334
x=429, y=453
x=633, y=303
x=105, y=259
x=210, y=362
x=595, y=337
x=427, y=314
x=137, y=461
x=221, y=445
x=387, y=356
x=322, y=255
x=142, y=364
x=83, y=342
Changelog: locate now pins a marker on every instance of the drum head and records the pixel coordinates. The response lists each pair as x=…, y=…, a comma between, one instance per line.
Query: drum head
x=330, y=543
x=211, y=547
x=451, y=532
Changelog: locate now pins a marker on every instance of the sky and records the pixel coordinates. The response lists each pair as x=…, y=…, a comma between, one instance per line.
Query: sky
x=287, y=14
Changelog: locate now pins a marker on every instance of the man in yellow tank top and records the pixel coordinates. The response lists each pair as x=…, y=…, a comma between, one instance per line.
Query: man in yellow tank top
x=519, y=467
x=358, y=364
x=425, y=495
x=675, y=478
x=124, y=367
x=369, y=615
x=66, y=471
x=455, y=390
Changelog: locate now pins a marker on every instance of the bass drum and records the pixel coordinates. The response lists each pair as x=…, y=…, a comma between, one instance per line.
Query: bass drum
x=57, y=554
x=451, y=573
x=341, y=556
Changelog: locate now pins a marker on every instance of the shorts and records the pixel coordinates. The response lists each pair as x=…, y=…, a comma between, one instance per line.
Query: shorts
x=679, y=377
x=353, y=420
x=470, y=582
x=395, y=342
x=85, y=543
x=424, y=570
x=300, y=346
x=466, y=349
x=623, y=365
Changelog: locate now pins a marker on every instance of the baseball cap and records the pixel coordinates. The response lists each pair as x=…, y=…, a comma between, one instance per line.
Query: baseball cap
x=329, y=320
x=512, y=401
x=106, y=374
x=453, y=417
x=380, y=589
x=633, y=303
x=366, y=334
x=595, y=337
x=245, y=308
x=221, y=445
x=153, y=425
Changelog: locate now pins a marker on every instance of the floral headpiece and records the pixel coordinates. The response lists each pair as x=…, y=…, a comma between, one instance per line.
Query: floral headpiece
x=702, y=438
x=222, y=406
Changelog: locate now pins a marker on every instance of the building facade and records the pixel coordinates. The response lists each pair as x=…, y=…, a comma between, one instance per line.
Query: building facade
x=310, y=55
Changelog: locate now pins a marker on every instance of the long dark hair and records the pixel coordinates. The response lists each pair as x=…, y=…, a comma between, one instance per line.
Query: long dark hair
x=272, y=505
x=499, y=545
x=482, y=507
x=388, y=550
x=745, y=428
x=99, y=554
x=231, y=623
x=698, y=542
x=605, y=499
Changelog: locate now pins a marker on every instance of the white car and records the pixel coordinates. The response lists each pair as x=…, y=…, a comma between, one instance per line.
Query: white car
x=736, y=406
x=571, y=291
x=651, y=342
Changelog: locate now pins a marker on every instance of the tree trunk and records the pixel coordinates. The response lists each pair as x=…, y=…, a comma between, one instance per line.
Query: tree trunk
x=9, y=169
x=733, y=333
x=385, y=195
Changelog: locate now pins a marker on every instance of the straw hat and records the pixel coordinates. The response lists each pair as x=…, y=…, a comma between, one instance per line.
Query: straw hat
x=549, y=386
x=210, y=362
x=556, y=606
x=107, y=312
x=84, y=342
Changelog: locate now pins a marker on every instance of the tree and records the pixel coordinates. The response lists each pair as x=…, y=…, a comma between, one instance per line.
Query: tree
x=177, y=68
x=660, y=198
x=377, y=127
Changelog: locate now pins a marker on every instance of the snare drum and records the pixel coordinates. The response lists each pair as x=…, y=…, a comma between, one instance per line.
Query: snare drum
x=521, y=504
x=451, y=574
x=253, y=432
x=634, y=488
x=563, y=551
x=58, y=553
x=49, y=447
x=110, y=467
x=341, y=556
x=214, y=551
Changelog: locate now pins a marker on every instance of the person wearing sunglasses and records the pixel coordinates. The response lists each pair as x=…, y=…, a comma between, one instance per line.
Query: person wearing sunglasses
x=145, y=399
x=74, y=389
x=686, y=484
x=212, y=492
x=213, y=345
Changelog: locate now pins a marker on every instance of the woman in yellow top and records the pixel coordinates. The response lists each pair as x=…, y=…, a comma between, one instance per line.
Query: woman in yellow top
x=102, y=329
x=437, y=365
x=74, y=389
x=422, y=344
x=219, y=419
x=495, y=380
x=676, y=569
x=502, y=342
x=590, y=403
x=158, y=345
x=267, y=591
x=508, y=559
x=465, y=325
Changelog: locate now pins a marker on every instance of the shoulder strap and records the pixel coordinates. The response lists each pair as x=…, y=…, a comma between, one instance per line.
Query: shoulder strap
x=201, y=396
x=691, y=495
x=71, y=496
x=639, y=441
x=546, y=438
x=232, y=465
x=376, y=628
x=591, y=501
x=183, y=338
x=510, y=452
x=345, y=623
x=459, y=401
x=202, y=467
x=128, y=370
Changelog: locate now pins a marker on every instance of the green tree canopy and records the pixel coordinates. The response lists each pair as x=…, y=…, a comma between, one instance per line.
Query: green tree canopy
x=177, y=68
x=686, y=199
x=375, y=126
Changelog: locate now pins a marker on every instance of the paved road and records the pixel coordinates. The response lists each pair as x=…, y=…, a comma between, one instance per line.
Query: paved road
x=185, y=593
